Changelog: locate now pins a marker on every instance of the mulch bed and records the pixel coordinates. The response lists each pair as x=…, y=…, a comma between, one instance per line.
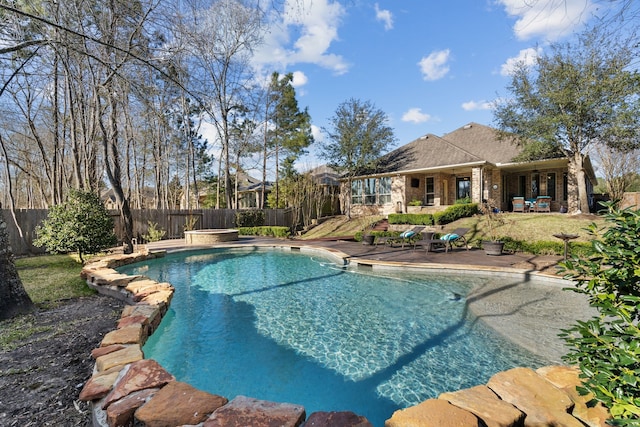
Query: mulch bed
x=41, y=377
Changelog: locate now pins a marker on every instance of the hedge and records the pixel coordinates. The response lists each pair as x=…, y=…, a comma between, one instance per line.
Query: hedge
x=414, y=219
x=280, y=232
x=545, y=247
x=455, y=212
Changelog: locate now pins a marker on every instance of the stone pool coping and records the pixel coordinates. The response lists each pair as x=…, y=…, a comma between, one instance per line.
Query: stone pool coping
x=125, y=386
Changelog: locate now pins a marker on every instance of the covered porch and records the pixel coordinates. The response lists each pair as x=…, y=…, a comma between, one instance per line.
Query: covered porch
x=432, y=190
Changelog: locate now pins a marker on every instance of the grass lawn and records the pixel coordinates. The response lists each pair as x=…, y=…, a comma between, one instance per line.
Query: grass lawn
x=52, y=278
x=48, y=279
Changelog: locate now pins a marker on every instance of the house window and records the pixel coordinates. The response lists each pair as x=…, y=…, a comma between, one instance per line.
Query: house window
x=522, y=186
x=415, y=183
x=535, y=189
x=356, y=192
x=551, y=185
x=384, y=190
x=430, y=191
x=565, y=186
x=371, y=191
x=463, y=186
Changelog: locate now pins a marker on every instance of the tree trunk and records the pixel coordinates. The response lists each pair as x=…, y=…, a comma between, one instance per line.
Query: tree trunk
x=13, y=298
x=578, y=199
x=112, y=167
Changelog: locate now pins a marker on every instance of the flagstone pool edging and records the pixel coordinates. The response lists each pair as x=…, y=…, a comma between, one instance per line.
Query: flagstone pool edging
x=125, y=385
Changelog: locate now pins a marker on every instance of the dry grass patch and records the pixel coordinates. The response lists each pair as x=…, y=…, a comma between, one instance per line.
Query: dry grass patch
x=526, y=227
x=340, y=226
x=532, y=227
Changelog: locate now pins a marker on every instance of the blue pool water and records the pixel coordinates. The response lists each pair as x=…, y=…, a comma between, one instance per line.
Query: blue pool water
x=287, y=327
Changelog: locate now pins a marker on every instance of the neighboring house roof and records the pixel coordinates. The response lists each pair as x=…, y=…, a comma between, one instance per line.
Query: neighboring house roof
x=472, y=144
x=254, y=187
x=248, y=184
x=325, y=175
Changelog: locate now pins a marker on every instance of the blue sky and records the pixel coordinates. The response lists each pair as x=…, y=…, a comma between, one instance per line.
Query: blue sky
x=431, y=66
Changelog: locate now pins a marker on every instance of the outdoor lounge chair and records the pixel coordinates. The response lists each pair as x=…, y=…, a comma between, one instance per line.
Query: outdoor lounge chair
x=519, y=205
x=406, y=236
x=449, y=240
x=543, y=204
x=425, y=240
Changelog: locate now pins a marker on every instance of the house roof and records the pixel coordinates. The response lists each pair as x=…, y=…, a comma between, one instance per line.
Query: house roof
x=247, y=183
x=483, y=141
x=472, y=144
x=325, y=175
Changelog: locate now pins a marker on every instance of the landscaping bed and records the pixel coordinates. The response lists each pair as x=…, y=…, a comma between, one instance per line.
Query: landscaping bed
x=42, y=372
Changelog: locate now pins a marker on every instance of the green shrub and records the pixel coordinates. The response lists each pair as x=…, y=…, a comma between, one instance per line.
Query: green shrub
x=413, y=219
x=455, y=212
x=415, y=202
x=279, y=232
x=463, y=201
x=80, y=224
x=607, y=347
x=545, y=247
x=358, y=236
x=250, y=218
x=154, y=232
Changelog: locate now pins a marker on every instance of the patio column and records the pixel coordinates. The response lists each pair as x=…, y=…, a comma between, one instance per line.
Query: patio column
x=476, y=185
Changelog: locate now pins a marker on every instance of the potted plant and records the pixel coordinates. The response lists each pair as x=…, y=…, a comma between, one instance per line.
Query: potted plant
x=493, y=219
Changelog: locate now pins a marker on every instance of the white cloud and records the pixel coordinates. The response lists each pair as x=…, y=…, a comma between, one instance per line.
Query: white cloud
x=299, y=79
x=526, y=56
x=415, y=115
x=315, y=23
x=549, y=19
x=385, y=16
x=318, y=135
x=434, y=66
x=476, y=105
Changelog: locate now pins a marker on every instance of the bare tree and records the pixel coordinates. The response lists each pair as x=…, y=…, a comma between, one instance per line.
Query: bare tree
x=619, y=168
x=220, y=40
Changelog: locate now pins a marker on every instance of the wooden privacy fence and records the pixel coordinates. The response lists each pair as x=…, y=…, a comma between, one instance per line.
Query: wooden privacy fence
x=173, y=221
x=630, y=200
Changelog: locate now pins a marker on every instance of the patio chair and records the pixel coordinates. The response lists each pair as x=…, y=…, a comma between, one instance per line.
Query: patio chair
x=519, y=205
x=448, y=241
x=406, y=236
x=543, y=204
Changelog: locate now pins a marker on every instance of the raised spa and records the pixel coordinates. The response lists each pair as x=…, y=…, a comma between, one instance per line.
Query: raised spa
x=210, y=236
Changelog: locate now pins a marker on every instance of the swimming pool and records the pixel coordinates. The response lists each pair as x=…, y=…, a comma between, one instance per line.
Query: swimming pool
x=288, y=327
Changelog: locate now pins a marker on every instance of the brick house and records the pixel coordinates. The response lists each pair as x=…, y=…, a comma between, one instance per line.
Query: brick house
x=432, y=172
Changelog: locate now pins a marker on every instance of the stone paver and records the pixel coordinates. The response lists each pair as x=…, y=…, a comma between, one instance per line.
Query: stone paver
x=247, y=411
x=178, y=404
x=542, y=402
x=119, y=358
x=486, y=405
x=433, y=413
x=143, y=374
